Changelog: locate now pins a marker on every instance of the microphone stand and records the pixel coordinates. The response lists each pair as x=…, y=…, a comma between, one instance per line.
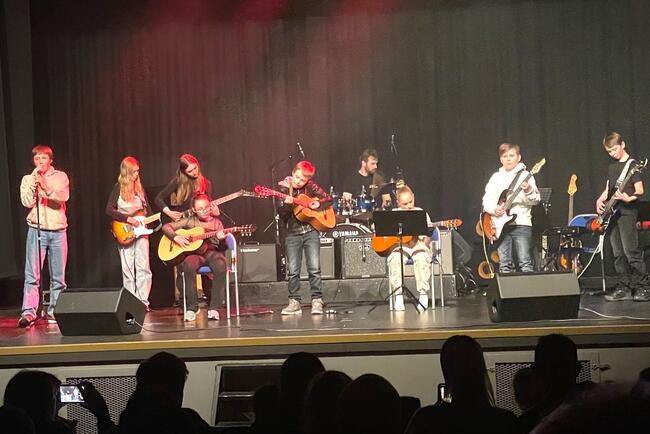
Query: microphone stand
x=275, y=220
x=40, y=314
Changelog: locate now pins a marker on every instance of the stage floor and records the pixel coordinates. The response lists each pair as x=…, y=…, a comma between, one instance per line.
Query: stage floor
x=358, y=328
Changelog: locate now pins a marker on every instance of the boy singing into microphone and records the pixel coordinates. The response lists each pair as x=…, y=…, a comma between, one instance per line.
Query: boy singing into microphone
x=44, y=192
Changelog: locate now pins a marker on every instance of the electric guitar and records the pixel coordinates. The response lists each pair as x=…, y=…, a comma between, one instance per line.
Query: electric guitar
x=171, y=253
x=125, y=233
x=383, y=245
x=321, y=220
x=219, y=201
x=493, y=225
x=573, y=188
x=600, y=223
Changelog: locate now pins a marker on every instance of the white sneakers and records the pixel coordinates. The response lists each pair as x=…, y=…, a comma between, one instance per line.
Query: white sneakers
x=424, y=301
x=293, y=308
x=190, y=315
x=317, y=306
x=213, y=314
x=398, y=304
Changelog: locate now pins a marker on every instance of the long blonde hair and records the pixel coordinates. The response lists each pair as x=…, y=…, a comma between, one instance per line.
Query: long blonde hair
x=128, y=187
x=188, y=187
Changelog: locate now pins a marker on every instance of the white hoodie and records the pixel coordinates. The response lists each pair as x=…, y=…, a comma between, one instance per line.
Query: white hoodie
x=522, y=204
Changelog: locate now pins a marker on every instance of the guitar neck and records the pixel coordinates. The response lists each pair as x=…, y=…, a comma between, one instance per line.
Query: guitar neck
x=212, y=234
x=225, y=199
x=516, y=192
x=296, y=201
x=152, y=218
x=570, y=209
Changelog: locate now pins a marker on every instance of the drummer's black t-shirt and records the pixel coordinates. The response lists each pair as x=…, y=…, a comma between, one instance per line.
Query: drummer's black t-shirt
x=354, y=183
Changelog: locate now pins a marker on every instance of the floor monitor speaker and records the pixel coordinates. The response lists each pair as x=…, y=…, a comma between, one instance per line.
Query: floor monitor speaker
x=99, y=311
x=534, y=296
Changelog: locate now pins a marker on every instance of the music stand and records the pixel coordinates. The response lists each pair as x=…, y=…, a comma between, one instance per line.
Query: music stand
x=400, y=224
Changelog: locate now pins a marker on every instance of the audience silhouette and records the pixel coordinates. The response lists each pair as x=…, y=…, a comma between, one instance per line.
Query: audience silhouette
x=311, y=400
x=471, y=409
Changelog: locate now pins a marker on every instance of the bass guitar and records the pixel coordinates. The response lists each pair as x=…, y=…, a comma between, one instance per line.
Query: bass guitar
x=384, y=245
x=321, y=220
x=171, y=253
x=493, y=225
x=219, y=201
x=125, y=233
x=600, y=223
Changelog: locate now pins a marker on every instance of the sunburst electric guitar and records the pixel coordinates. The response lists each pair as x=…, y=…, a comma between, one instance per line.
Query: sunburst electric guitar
x=321, y=220
x=171, y=253
x=384, y=245
x=493, y=225
x=125, y=233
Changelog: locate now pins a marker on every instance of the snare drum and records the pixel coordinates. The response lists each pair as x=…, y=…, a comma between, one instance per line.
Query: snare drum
x=346, y=229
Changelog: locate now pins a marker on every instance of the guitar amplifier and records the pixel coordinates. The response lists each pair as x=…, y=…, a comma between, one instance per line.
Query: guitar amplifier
x=356, y=259
x=326, y=260
x=257, y=263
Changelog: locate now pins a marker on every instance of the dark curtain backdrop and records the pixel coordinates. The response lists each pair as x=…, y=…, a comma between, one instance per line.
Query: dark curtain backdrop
x=239, y=85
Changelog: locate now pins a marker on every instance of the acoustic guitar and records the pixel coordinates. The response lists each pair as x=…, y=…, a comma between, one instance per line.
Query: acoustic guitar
x=493, y=225
x=125, y=233
x=171, y=253
x=321, y=220
x=384, y=245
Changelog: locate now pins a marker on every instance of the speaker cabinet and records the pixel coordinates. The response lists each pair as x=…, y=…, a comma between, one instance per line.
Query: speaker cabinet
x=357, y=259
x=99, y=311
x=326, y=260
x=257, y=263
x=534, y=296
x=445, y=245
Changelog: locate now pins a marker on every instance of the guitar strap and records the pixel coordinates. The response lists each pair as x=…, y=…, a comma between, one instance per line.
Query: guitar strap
x=514, y=180
x=623, y=174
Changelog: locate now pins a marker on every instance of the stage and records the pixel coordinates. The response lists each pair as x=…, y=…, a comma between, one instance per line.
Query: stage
x=355, y=326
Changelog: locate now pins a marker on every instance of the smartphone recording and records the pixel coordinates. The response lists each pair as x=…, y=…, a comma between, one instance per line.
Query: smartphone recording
x=70, y=393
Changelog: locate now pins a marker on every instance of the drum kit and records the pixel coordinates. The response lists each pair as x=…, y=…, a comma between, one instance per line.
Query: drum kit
x=353, y=215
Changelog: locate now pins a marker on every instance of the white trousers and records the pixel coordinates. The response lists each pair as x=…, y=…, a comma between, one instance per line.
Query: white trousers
x=421, y=267
x=136, y=273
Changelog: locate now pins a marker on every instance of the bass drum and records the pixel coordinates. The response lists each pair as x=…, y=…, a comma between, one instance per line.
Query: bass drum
x=346, y=229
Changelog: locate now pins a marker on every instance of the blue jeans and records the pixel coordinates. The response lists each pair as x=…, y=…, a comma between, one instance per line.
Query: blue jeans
x=55, y=244
x=294, y=245
x=515, y=239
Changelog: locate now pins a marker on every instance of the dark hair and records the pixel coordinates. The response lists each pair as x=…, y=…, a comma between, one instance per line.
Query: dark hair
x=367, y=153
x=35, y=392
x=188, y=186
x=465, y=373
x=162, y=370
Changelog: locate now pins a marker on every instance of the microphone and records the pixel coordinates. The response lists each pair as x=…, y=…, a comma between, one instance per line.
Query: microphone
x=300, y=150
x=392, y=144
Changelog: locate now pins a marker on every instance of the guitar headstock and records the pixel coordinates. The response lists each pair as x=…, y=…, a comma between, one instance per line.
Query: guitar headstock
x=538, y=166
x=246, y=230
x=262, y=191
x=246, y=193
x=452, y=223
x=573, y=187
x=639, y=166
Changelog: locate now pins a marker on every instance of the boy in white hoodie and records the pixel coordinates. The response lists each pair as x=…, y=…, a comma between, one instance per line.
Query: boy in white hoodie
x=516, y=237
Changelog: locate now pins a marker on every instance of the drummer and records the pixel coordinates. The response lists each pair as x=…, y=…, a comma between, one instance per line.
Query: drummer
x=367, y=181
